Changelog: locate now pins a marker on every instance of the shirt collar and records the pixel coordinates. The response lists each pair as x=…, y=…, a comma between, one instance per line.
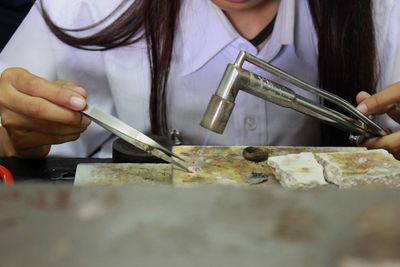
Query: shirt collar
x=284, y=25
x=204, y=31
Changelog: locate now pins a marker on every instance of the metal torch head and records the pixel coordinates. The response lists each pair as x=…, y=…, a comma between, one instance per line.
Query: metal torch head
x=217, y=114
x=222, y=102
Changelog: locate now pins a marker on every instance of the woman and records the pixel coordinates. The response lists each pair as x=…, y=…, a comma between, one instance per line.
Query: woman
x=333, y=44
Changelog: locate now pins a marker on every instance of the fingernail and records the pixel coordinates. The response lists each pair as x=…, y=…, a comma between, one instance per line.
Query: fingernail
x=85, y=121
x=362, y=108
x=77, y=102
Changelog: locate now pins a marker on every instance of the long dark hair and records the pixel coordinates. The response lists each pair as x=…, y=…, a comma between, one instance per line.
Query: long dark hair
x=347, y=60
x=152, y=20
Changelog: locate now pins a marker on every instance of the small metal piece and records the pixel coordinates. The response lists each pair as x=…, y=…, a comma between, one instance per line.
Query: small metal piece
x=176, y=137
x=65, y=176
x=257, y=178
x=131, y=135
x=357, y=139
x=255, y=154
x=353, y=138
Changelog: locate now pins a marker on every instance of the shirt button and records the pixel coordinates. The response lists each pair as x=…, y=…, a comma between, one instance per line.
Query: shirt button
x=250, y=123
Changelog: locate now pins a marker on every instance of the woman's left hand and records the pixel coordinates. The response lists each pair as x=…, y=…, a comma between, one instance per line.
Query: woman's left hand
x=386, y=101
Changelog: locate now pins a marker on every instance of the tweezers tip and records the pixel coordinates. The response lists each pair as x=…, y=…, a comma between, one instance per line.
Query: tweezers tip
x=182, y=167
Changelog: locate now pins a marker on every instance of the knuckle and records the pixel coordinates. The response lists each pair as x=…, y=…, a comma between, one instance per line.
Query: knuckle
x=18, y=140
x=6, y=121
x=60, y=129
x=3, y=101
x=55, y=139
x=33, y=86
x=52, y=127
x=64, y=83
x=61, y=97
x=74, y=119
x=14, y=75
x=6, y=74
x=9, y=120
x=375, y=101
x=35, y=110
x=59, y=82
x=10, y=73
x=58, y=139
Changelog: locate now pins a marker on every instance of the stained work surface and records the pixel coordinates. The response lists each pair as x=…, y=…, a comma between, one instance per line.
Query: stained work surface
x=210, y=165
x=216, y=165
x=201, y=226
x=226, y=165
x=366, y=168
x=123, y=173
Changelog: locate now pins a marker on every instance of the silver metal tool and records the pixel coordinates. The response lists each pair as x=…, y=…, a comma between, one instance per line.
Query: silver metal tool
x=132, y=136
x=236, y=78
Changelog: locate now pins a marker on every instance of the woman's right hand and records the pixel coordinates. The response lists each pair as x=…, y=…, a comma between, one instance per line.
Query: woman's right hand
x=36, y=113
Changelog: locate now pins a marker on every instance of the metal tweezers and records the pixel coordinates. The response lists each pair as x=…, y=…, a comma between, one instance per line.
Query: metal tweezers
x=359, y=126
x=132, y=136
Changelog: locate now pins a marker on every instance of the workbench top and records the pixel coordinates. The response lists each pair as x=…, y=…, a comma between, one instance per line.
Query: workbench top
x=217, y=165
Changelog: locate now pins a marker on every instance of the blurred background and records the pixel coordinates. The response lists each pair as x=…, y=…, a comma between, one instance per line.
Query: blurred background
x=12, y=12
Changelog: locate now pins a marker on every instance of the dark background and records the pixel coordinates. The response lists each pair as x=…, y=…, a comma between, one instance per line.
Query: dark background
x=12, y=12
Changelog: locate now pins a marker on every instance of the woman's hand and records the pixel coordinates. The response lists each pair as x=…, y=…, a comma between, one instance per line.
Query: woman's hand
x=385, y=101
x=36, y=113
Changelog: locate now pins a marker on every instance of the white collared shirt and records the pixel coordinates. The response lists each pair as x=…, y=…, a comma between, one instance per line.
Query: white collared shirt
x=118, y=80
